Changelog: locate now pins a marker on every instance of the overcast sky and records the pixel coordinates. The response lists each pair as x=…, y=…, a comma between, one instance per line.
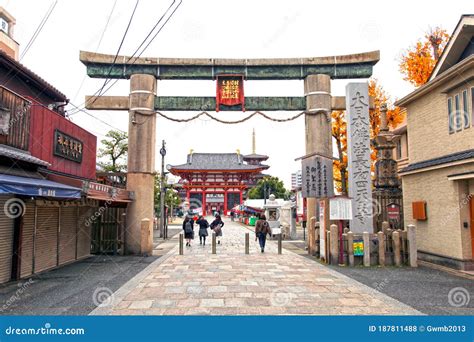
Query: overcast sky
x=232, y=29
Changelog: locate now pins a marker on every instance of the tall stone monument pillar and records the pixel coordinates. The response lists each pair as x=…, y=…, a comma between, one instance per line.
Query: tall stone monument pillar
x=317, y=89
x=358, y=153
x=141, y=158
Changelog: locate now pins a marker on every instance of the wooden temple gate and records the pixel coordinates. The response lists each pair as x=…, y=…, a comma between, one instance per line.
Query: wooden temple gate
x=143, y=105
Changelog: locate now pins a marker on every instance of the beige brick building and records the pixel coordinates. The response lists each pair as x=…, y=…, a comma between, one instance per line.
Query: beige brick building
x=439, y=178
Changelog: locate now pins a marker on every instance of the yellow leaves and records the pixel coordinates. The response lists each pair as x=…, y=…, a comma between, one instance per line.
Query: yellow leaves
x=418, y=62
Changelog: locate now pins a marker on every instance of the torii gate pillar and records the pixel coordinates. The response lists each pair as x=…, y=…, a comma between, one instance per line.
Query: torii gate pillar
x=141, y=161
x=318, y=137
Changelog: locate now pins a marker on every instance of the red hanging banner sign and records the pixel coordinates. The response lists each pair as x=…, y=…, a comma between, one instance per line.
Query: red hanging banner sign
x=230, y=91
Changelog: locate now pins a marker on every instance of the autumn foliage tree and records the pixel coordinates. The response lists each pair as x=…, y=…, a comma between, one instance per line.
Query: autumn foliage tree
x=339, y=131
x=418, y=62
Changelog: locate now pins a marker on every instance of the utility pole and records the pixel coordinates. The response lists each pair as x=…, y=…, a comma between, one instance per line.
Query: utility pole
x=162, y=191
x=265, y=193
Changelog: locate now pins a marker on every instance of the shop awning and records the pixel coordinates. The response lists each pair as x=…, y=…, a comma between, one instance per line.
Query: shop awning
x=36, y=187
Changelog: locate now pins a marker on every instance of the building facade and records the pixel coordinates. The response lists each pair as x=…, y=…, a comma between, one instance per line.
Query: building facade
x=296, y=179
x=438, y=182
x=48, y=194
x=400, y=152
x=7, y=26
x=214, y=182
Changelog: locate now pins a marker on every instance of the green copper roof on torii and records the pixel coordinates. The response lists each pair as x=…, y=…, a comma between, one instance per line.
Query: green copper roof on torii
x=338, y=67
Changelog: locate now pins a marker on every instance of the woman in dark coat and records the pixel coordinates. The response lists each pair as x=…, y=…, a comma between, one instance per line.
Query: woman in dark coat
x=188, y=227
x=217, y=225
x=262, y=228
x=203, y=225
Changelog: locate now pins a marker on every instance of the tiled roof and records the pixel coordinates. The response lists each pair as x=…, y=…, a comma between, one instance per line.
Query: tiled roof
x=463, y=155
x=14, y=153
x=215, y=161
x=255, y=156
x=23, y=71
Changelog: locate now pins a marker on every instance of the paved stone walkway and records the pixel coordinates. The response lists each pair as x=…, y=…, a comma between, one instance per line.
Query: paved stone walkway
x=232, y=283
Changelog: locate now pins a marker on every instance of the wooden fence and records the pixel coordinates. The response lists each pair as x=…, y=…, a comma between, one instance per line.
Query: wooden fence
x=386, y=248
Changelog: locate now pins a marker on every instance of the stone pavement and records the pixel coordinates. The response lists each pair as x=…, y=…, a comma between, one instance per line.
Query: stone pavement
x=232, y=283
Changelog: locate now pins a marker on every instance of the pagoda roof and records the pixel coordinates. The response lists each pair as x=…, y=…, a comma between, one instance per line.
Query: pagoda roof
x=215, y=162
x=255, y=156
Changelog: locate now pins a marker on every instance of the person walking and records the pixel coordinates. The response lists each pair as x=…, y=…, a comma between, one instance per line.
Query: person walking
x=217, y=225
x=188, y=227
x=262, y=228
x=203, y=225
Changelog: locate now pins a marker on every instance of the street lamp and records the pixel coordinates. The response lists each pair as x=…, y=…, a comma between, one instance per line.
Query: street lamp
x=162, y=191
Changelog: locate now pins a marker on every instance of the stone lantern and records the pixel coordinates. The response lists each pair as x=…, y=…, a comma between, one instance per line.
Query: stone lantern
x=387, y=192
x=272, y=213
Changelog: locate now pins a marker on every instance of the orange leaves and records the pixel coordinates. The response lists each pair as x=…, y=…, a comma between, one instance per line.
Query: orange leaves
x=418, y=62
x=395, y=117
x=339, y=131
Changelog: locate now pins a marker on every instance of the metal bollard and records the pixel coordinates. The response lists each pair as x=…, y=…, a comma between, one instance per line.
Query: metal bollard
x=247, y=243
x=181, y=243
x=213, y=243
x=279, y=243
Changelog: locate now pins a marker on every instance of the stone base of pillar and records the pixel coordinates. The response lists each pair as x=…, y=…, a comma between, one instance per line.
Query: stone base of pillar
x=141, y=208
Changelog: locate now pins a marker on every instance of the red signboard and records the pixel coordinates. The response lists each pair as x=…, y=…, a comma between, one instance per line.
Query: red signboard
x=230, y=91
x=47, y=145
x=393, y=211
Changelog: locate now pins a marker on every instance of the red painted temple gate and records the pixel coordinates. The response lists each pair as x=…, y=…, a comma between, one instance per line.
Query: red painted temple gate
x=215, y=181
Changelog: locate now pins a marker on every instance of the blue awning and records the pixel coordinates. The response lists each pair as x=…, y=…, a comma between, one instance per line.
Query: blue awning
x=36, y=187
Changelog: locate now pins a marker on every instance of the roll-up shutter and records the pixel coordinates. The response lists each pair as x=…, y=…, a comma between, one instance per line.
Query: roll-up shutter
x=84, y=234
x=27, y=240
x=46, y=248
x=6, y=242
x=67, y=234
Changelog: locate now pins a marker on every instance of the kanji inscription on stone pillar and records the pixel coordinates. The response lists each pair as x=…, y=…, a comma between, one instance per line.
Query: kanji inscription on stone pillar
x=358, y=152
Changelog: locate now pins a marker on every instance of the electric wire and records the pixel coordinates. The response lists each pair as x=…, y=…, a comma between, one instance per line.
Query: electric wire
x=101, y=91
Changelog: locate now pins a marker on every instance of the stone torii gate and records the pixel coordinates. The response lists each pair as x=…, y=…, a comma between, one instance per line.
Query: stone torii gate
x=143, y=102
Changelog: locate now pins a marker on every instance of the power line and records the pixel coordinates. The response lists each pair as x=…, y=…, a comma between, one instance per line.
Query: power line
x=39, y=29
x=93, y=116
x=136, y=58
x=30, y=42
x=98, y=92
x=121, y=43
x=101, y=91
x=98, y=46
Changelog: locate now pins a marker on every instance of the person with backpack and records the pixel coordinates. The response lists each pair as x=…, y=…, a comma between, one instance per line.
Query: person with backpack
x=188, y=227
x=203, y=225
x=217, y=225
x=262, y=228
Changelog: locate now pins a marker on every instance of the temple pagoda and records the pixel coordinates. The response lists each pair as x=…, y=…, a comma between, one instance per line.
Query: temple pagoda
x=215, y=182
x=255, y=159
